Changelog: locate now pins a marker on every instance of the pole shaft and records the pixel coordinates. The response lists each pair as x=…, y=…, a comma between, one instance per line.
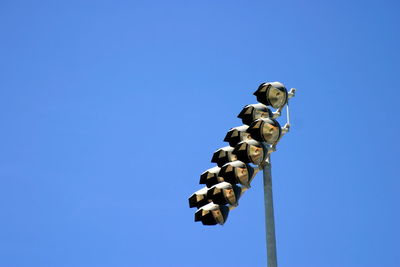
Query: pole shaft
x=269, y=217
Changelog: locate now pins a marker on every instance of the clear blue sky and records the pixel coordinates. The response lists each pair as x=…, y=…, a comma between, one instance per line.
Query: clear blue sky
x=111, y=110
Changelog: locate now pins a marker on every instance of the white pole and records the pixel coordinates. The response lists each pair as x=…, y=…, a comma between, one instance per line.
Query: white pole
x=269, y=216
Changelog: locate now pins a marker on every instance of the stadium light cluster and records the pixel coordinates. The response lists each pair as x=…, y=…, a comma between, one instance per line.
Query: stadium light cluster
x=250, y=146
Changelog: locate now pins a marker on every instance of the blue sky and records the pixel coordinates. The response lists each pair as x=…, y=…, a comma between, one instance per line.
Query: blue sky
x=111, y=110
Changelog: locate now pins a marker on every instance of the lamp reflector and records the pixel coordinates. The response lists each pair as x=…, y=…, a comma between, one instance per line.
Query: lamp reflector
x=224, y=193
x=237, y=172
x=250, y=151
x=272, y=94
x=265, y=130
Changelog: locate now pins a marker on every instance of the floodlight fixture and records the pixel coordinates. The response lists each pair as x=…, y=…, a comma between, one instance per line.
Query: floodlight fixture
x=223, y=155
x=236, y=135
x=238, y=172
x=224, y=193
x=265, y=130
x=211, y=177
x=212, y=214
x=253, y=112
x=250, y=151
x=272, y=94
x=199, y=198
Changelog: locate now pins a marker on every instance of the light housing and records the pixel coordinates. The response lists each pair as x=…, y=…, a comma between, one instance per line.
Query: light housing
x=238, y=172
x=236, y=135
x=211, y=177
x=250, y=151
x=272, y=94
x=224, y=193
x=199, y=198
x=265, y=130
x=223, y=155
x=212, y=214
x=254, y=111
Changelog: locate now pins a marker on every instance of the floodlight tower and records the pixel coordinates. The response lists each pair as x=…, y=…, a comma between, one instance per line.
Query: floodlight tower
x=250, y=144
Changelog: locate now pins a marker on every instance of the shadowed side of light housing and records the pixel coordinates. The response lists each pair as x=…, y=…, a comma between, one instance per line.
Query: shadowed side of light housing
x=238, y=172
x=265, y=130
x=224, y=193
x=211, y=177
x=223, y=155
x=199, y=198
x=254, y=111
x=272, y=94
x=212, y=214
x=250, y=151
x=236, y=135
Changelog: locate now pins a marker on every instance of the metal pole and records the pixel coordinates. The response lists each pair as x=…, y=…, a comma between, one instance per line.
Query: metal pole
x=269, y=216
